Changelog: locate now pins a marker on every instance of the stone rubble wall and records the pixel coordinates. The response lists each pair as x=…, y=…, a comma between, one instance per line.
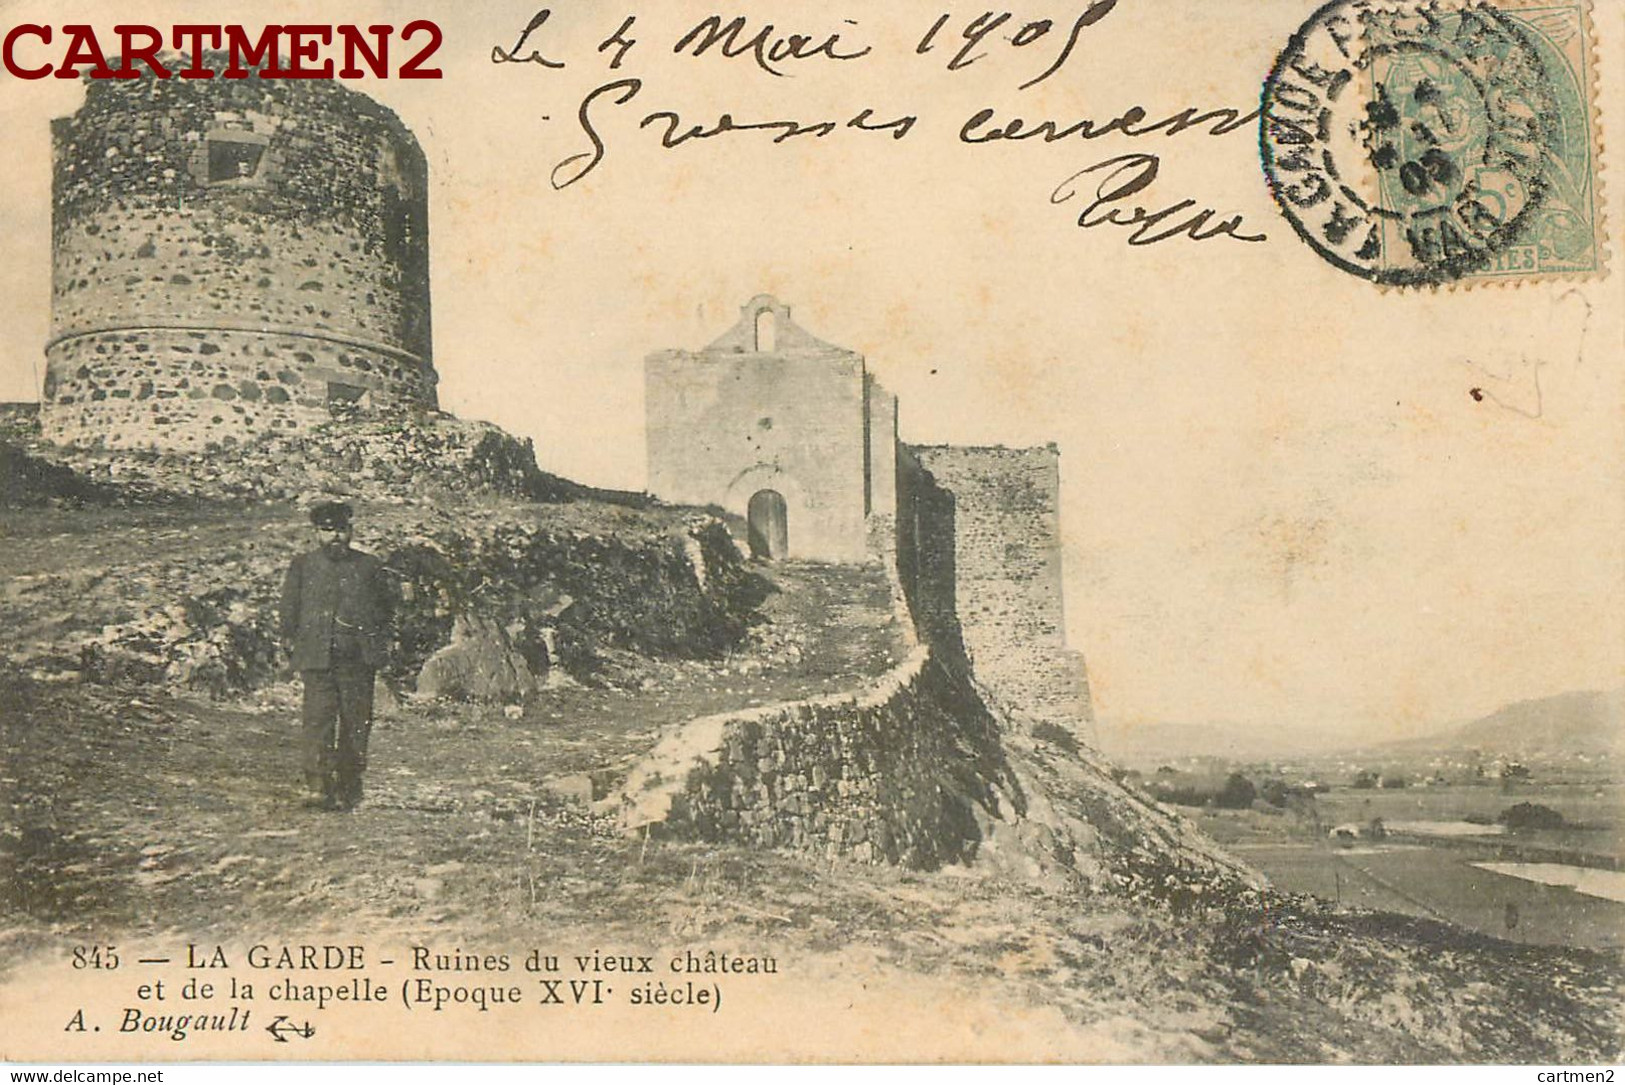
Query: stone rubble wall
x=19, y=421
x=896, y=773
x=913, y=768
x=404, y=459
x=906, y=770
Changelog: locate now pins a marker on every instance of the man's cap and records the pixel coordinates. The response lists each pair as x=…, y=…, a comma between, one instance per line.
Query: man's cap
x=331, y=514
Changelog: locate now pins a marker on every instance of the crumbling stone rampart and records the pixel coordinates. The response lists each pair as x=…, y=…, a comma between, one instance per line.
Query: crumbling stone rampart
x=979, y=557
x=912, y=769
x=894, y=773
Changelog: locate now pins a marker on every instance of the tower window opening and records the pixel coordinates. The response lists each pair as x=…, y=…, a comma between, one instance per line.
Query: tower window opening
x=231, y=160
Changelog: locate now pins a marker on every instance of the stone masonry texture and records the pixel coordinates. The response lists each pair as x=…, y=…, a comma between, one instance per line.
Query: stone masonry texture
x=907, y=769
x=232, y=258
x=895, y=774
x=980, y=563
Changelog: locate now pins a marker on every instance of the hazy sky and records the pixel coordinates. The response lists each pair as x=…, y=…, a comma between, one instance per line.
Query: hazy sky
x=1280, y=501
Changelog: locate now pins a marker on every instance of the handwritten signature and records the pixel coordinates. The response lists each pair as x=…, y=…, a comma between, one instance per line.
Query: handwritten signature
x=1126, y=175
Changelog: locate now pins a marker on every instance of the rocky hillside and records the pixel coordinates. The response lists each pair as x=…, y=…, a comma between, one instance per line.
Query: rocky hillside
x=176, y=576
x=552, y=638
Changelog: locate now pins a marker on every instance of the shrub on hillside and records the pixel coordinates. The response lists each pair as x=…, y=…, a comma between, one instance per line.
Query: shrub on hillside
x=1531, y=815
x=1238, y=793
x=1235, y=793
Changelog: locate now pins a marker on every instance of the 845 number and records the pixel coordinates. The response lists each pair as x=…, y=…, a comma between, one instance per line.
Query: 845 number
x=104, y=958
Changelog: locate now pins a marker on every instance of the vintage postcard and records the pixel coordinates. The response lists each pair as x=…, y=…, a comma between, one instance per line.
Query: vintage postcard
x=799, y=532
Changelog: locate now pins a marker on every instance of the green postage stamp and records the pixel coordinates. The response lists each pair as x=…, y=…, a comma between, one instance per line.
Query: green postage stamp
x=1425, y=143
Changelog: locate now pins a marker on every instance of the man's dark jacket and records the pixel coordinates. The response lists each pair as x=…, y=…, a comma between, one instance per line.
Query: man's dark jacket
x=348, y=595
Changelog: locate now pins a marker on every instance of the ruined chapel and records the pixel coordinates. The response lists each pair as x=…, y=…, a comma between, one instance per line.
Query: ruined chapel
x=797, y=438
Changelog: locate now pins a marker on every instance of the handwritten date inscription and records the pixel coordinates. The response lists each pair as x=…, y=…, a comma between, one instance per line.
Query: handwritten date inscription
x=1109, y=190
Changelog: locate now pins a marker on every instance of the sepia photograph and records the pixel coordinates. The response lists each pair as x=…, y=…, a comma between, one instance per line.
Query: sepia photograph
x=799, y=534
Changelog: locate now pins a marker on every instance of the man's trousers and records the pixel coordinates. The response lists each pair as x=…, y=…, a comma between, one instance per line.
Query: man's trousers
x=337, y=722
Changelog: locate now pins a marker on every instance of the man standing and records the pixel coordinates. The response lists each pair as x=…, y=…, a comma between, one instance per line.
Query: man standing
x=337, y=608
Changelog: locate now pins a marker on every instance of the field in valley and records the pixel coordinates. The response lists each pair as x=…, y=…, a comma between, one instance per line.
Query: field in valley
x=1412, y=874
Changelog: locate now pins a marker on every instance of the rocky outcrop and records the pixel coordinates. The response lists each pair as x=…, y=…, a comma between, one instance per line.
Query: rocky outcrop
x=480, y=664
x=414, y=458
x=573, y=584
x=474, y=533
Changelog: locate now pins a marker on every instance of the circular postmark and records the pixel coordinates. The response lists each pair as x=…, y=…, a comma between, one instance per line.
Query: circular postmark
x=1407, y=140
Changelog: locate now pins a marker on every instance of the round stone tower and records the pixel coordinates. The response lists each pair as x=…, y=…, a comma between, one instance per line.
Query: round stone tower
x=233, y=257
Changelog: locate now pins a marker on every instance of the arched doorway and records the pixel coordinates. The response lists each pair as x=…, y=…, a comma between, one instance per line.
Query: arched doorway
x=767, y=522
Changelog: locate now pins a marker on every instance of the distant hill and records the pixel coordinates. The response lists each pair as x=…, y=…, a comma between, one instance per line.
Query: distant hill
x=1142, y=744
x=1584, y=721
